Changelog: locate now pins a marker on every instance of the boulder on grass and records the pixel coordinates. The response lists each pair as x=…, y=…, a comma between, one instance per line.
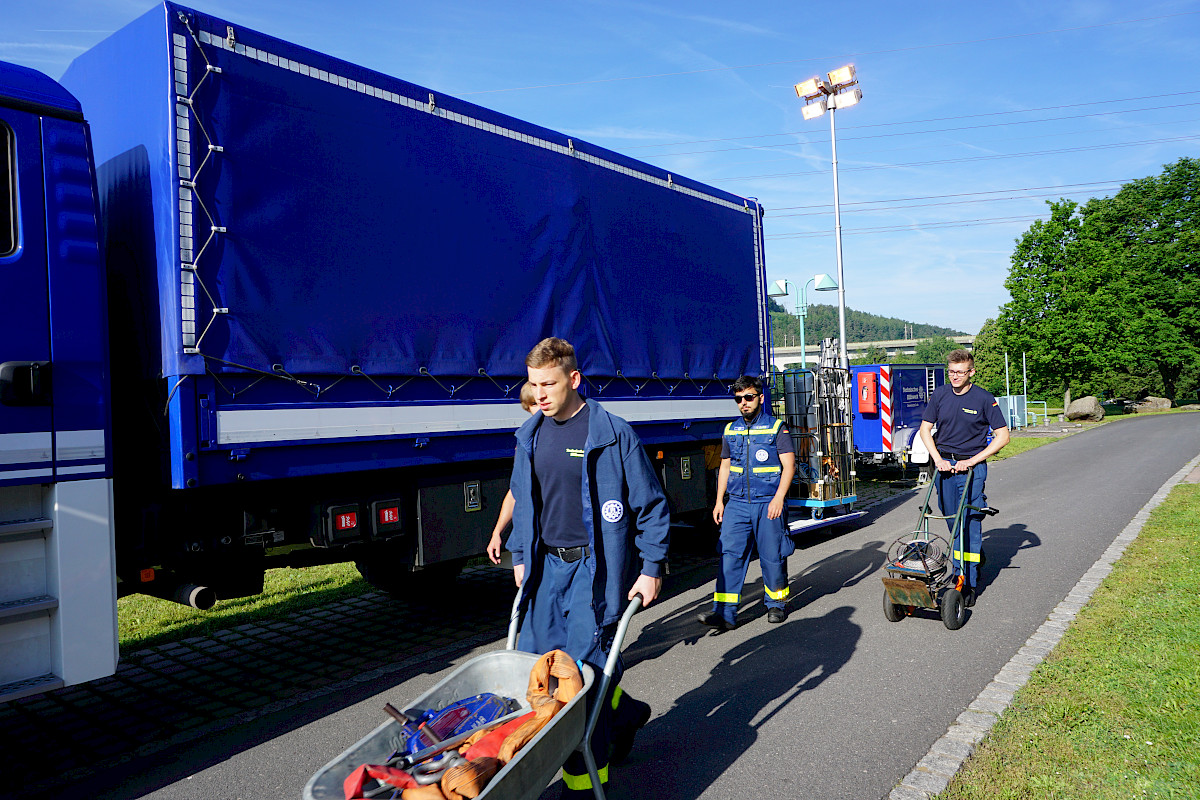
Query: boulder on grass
x=1088, y=408
x=1151, y=404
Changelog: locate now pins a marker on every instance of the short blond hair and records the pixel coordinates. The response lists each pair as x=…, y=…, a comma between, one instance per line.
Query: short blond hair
x=961, y=356
x=553, y=352
x=528, y=396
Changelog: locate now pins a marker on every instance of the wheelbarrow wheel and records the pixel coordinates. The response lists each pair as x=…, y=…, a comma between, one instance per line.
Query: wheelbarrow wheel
x=891, y=611
x=954, y=609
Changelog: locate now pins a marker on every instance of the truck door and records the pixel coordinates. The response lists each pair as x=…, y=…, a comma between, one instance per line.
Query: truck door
x=26, y=444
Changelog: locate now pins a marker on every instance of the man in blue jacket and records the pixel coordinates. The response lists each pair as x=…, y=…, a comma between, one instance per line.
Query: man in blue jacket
x=591, y=529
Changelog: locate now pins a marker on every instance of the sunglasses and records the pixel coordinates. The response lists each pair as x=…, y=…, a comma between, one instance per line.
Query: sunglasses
x=738, y=398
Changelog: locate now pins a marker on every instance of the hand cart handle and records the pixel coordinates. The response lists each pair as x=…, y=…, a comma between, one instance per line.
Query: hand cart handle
x=610, y=668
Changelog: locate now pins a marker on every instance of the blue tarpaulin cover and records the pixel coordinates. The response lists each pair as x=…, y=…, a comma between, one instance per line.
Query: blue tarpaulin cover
x=365, y=227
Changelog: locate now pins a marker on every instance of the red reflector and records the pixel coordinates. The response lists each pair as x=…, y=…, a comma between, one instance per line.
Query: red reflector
x=389, y=515
x=146, y=575
x=345, y=522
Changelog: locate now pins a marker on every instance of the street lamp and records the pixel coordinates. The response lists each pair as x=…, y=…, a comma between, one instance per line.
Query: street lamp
x=839, y=89
x=824, y=283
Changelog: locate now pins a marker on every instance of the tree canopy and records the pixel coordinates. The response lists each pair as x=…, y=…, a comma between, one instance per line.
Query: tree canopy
x=1106, y=296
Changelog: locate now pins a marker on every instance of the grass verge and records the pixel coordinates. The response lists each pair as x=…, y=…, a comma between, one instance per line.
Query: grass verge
x=1114, y=712
x=144, y=621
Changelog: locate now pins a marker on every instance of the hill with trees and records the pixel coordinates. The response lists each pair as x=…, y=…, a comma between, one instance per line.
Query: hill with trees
x=822, y=322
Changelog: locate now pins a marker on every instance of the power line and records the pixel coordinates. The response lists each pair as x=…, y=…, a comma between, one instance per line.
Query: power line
x=931, y=119
x=963, y=194
x=880, y=209
x=931, y=130
x=830, y=59
x=998, y=156
x=912, y=227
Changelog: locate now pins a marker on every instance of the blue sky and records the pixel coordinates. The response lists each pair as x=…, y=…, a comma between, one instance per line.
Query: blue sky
x=973, y=114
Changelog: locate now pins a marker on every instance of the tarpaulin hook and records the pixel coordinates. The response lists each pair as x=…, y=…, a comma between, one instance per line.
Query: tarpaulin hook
x=636, y=389
x=505, y=389
x=357, y=370
x=429, y=375
x=670, y=388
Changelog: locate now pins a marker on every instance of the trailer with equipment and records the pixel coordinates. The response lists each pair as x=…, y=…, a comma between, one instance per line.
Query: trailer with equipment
x=269, y=308
x=818, y=410
x=888, y=401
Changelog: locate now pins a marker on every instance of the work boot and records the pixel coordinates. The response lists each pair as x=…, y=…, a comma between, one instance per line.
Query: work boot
x=776, y=615
x=715, y=621
x=969, y=598
x=629, y=718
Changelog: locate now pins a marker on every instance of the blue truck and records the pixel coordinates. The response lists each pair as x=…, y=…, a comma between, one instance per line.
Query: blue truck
x=265, y=308
x=888, y=401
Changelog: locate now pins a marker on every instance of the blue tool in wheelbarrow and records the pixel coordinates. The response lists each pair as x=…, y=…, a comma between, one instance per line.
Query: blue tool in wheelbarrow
x=505, y=674
x=920, y=565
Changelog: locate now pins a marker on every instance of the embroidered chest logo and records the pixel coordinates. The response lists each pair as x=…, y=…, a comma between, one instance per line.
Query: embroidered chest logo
x=762, y=455
x=612, y=511
x=969, y=411
x=574, y=452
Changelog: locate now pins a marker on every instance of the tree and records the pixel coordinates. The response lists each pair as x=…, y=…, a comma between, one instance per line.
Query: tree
x=1106, y=297
x=989, y=358
x=872, y=355
x=934, y=350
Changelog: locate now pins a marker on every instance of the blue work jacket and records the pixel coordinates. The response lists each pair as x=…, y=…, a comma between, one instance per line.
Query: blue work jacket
x=623, y=507
x=754, y=465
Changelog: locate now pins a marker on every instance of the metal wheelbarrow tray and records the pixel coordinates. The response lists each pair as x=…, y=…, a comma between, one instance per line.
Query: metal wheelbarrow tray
x=504, y=673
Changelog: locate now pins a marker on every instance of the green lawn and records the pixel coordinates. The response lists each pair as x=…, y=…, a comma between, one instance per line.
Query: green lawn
x=1114, y=712
x=143, y=621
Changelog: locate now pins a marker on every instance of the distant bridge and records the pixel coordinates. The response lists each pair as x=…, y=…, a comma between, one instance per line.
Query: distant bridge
x=894, y=347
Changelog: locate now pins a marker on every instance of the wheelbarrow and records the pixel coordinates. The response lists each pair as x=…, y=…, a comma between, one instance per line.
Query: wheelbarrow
x=919, y=565
x=505, y=673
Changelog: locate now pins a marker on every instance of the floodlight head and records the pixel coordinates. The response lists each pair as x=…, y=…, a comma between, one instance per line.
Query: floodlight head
x=842, y=76
x=815, y=108
x=847, y=98
x=824, y=283
x=781, y=289
x=813, y=87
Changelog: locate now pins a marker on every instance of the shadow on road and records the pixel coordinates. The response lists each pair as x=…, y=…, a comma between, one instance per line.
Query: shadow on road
x=755, y=680
x=1000, y=547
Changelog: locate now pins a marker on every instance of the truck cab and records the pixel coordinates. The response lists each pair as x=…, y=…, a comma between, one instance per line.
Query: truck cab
x=57, y=584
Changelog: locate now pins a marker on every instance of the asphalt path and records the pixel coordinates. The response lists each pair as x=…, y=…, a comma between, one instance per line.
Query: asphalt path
x=834, y=703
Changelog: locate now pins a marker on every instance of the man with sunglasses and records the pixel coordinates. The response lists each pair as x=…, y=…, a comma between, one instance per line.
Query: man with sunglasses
x=757, y=465
x=964, y=414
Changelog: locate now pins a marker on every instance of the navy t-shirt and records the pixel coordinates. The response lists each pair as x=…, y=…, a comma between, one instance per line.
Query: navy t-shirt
x=963, y=420
x=558, y=460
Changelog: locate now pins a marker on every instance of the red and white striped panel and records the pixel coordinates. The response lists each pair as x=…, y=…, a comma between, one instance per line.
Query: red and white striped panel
x=885, y=406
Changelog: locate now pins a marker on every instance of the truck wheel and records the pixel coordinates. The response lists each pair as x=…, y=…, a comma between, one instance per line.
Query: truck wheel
x=891, y=611
x=954, y=610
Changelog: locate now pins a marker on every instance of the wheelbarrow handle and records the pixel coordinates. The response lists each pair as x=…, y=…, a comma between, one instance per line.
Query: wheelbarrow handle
x=610, y=668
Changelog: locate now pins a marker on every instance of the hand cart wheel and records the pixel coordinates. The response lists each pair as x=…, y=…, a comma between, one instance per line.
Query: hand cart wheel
x=892, y=612
x=953, y=608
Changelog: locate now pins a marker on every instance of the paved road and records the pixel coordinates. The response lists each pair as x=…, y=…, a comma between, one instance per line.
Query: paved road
x=835, y=703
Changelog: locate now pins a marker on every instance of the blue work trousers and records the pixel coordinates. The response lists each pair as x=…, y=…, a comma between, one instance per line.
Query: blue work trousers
x=744, y=527
x=950, y=489
x=560, y=617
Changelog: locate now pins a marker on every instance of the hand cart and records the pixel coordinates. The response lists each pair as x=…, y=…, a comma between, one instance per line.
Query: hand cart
x=918, y=566
x=504, y=673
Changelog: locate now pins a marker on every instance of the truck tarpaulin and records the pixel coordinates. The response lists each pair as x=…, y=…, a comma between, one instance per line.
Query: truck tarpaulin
x=363, y=221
